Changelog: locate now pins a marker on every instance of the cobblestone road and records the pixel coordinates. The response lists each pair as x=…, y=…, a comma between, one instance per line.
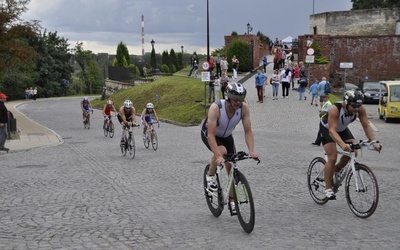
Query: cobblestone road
x=84, y=195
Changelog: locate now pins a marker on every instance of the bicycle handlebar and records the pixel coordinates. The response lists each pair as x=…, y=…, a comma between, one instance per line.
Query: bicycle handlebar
x=366, y=143
x=239, y=156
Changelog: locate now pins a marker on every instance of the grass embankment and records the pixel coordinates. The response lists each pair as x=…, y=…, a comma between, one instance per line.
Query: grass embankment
x=180, y=99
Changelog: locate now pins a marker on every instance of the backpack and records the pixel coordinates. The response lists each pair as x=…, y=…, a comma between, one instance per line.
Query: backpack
x=328, y=88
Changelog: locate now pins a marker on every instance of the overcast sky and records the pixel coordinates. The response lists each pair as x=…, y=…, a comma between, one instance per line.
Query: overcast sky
x=101, y=25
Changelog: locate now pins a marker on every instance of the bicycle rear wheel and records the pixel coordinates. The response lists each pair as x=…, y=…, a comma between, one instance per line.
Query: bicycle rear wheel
x=362, y=202
x=154, y=140
x=87, y=122
x=132, y=147
x=244, y=203
x=213, y=199
x=111, y=130
x=316, y=180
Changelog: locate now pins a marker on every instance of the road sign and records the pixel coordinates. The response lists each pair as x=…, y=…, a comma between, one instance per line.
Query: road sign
x=310, y=51
x=205, y=76
x=205, y=65
x=346, y=65
x=310, y=59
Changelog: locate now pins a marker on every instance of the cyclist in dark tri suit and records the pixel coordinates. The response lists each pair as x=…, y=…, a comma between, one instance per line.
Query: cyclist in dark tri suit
x=334, y=130
x=126, y=114
x=146, y=117
x=217, y=128
x=86, y=106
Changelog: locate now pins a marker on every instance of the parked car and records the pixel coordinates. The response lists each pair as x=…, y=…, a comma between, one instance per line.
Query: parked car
x=350, y=86
x=389, y=103
x=371, y=90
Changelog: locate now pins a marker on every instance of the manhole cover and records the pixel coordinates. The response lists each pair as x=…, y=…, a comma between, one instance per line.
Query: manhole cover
x=32, y=166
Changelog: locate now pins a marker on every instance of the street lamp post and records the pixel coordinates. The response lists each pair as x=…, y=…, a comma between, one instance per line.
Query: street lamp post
x=249, y=28
x=153, y=55
x=208, y=34
x=182, y=56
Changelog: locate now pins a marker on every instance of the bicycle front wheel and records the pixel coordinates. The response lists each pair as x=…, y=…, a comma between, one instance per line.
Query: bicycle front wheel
x=154, y=140
x=132, y=147
x=87, y=122
x=213, y=199
x=244, y=203
x=316, y=180
x=105, y=130
x=146, y=141
x=364, y=199
x=124, y=147
x=111, y=130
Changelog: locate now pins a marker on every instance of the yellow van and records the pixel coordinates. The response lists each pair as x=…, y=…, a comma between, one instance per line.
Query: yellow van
x=389, y=101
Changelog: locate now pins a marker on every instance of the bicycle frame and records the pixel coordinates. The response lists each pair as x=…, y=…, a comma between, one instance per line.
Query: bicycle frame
x=225, y=191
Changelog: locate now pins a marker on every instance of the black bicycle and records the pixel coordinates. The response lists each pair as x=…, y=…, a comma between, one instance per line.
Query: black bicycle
x=86, y=122
x=128, y=144
x=109, y=127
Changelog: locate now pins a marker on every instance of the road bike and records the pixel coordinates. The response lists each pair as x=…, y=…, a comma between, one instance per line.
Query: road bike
x=128, y=144
x=361, y=186
x=151, y=136
x=244, y=203
x=109, y=127
x=86, y=122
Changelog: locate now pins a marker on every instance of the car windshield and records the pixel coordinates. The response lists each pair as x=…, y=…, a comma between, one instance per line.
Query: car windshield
x=395, y=93
x=371, y=86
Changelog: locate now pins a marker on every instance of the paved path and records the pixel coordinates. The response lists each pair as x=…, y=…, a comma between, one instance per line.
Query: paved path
x=82, y=194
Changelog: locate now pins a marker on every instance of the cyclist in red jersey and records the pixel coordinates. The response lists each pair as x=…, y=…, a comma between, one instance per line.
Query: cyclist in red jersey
x=108, y=107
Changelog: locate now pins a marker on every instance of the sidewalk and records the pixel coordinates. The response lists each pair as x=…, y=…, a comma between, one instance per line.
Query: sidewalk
x=31, y=134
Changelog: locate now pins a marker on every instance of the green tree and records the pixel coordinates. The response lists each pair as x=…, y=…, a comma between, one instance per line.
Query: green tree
x=374, y=4
x=90, y=72
x=173, y=60
x=53, y=65
x=122, y=56
x=242, y=50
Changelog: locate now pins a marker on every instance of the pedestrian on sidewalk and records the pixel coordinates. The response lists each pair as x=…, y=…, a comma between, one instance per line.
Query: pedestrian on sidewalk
x=314, y=92
x=235, y=66
x=3, y=122
x=286, y=76
x=274, y=80
x=260, y=80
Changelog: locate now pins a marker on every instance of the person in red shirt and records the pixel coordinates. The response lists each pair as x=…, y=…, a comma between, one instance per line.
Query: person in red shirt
x=108, y=107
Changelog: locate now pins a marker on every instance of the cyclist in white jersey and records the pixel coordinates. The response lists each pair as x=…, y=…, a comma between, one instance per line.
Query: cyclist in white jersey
x=334, y=131
x=217, y=128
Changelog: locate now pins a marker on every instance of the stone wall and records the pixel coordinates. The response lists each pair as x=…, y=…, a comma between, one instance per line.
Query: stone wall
x=375, y=57
x=355, y=22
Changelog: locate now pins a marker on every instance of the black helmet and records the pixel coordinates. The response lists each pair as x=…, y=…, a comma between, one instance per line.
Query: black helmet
x=355, y=96
x=235, y=91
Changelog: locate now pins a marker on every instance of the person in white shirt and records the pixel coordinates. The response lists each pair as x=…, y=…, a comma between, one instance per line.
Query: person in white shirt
x=286, y=76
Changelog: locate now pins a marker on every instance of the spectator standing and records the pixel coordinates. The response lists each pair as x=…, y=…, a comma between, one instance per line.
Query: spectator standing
x=218, y=65
x=235, y=66
x=3, y=122
x=224, y=81
x=211, y=93
x=217, y=86
x=211, y=64
x=275, y=79
x=265, y=61
x=296, y=75
x=26, y=93
x=260, y=79
x=276, y=61
x=286, y=75
x=30, y=93
x=195, y=68
x=314, y=92
x=283, y=58
x=224, y=66
x=321, y=90
x=34, y=93
x=193, y=59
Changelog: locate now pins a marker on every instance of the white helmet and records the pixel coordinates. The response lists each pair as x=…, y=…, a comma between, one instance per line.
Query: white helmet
x=109, y=102
x=85, y=98
x=149, y=105
x=127, y=104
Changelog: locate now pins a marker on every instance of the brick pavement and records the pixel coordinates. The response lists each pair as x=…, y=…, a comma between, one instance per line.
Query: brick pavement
x=83, y=194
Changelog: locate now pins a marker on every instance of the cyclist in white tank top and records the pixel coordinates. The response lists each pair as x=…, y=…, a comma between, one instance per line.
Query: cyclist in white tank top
x=216, y=130
x=334, y=131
